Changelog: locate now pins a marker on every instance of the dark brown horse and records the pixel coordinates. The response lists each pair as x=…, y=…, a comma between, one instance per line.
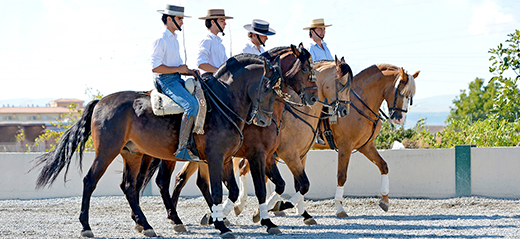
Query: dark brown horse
x=334, y=82
x=123, y=123
x=358, y=130
x=259, y=143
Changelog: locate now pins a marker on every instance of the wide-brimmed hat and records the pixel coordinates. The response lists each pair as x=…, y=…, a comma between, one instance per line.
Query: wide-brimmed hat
x=215, y=14
x=260, y=27
x=173, y=10
x=319, y=22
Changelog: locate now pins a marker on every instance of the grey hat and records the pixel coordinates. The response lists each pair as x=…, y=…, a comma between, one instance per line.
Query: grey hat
x=173, y=10
x=215, y=14
x=260, y=27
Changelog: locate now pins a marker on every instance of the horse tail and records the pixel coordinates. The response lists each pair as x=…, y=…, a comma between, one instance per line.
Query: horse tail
x=154, y=165
x=60, y=157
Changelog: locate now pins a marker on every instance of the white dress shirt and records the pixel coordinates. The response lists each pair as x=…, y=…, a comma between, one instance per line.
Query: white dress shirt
x=211, y=51
x=251, y=48
x=166, y=51
x=318, y=53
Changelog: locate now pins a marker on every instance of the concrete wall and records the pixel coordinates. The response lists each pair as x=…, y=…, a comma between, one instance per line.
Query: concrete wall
x=413, y=173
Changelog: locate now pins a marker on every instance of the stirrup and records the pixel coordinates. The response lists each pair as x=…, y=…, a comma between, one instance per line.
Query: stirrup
x=187, y=155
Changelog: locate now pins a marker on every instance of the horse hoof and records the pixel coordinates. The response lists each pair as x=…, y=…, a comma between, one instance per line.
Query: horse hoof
x=227, y=235
x=87, y=233
x=384, y=206
x=276, y=207
x=227, y=222
x=274, y=231
x=139, y=228
x=179, y=228
x=205, y=220
x=256, y=216
x=149, y=233
x=341, y=214
x=310, y=221
x=238, y=210
x=279, y=213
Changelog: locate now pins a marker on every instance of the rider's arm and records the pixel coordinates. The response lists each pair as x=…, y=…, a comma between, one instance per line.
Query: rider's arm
x=207, y=67
x=162, y=69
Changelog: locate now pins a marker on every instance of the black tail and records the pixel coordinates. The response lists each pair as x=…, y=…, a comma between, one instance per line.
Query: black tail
x=149, y=173
x=56, y=160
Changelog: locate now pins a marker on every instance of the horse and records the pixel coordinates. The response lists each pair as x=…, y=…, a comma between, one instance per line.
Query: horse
x=259, y=143
x=123, y=123
x=358, y=130
x=334, y=82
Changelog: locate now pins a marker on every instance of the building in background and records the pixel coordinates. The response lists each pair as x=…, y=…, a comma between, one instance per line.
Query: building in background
x=33, y=121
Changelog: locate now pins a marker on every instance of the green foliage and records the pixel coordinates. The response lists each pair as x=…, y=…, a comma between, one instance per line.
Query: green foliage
x=493, y=131
x=391, y=132
x=477, y=103
x=506, y=60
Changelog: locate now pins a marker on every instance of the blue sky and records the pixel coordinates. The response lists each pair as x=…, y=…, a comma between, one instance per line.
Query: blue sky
x=58, y=48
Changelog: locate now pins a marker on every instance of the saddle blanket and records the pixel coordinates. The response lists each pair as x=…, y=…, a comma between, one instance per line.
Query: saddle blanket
x=163, y=105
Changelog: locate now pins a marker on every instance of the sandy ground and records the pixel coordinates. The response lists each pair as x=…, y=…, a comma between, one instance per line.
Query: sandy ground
x=466, y=217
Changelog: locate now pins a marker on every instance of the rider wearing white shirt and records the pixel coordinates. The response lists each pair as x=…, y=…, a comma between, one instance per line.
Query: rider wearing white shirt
x=318, y=48
x=257, y=33
x=212, y=52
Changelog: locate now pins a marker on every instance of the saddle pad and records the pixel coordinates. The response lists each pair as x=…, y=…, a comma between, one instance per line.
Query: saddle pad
x=164, y=105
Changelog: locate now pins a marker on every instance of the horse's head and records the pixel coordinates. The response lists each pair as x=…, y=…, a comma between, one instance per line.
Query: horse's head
x=400, y=96
x=299, y=74
x=264, y=93
x=335, y=81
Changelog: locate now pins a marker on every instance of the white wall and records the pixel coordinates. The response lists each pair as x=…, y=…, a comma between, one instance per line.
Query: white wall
x=413, y=173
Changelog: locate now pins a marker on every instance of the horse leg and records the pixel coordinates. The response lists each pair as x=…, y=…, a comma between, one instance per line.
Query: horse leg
x=128, y=185
x=242, y=198
x=273, y=174
x=257, y=165
x=203, y=184
x=96, y=171
x=371, y=153
x=145, y=164
x=343, y=161
x=215, y=167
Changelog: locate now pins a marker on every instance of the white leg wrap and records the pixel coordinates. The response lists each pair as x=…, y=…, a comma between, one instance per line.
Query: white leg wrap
x=243, y=188
x=272, y=200
x=228, y=206
x=295, y=198
x=385, y=185
x=338, y=198
x=263, y=211
x=217, y=212
x=301, y=206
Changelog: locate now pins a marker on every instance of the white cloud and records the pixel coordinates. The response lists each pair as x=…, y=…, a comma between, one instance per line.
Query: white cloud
x=489, y=18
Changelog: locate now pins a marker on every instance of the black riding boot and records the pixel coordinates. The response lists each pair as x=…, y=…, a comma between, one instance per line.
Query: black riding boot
x=183, y=152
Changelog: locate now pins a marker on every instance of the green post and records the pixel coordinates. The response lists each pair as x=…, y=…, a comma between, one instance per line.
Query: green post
x=463, y=169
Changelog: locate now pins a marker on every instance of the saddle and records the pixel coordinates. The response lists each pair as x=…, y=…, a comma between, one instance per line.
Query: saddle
x=163, y=105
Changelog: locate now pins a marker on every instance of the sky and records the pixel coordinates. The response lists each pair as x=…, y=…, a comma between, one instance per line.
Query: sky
x=59, y=48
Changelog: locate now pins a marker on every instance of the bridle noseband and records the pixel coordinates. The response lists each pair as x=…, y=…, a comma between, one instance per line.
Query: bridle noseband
x=397, y=91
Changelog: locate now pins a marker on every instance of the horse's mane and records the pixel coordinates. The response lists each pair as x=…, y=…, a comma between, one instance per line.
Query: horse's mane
x=281, y=50
x=239, y=61
x=409, y=88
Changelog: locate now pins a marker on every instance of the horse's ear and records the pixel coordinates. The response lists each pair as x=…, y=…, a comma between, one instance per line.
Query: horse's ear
x=295, y=50
x=343, y=59
x=336, y=60
x=416, y=74
x=301, y=45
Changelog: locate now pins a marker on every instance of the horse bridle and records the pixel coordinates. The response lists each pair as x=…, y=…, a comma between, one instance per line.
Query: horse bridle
x=276, y=88
x=397, y=91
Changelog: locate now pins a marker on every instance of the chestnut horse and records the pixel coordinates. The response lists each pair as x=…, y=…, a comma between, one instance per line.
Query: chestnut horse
x=123, y=123
x=300, y=122
x=358, y=130
x=259, y=143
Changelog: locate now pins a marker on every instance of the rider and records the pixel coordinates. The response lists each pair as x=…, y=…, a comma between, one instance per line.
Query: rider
x=212, y=52
x=167, y=66
x=318, y=48
x=257, y=33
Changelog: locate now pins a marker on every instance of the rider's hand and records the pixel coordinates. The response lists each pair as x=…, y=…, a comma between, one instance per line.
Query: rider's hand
x=183, y=69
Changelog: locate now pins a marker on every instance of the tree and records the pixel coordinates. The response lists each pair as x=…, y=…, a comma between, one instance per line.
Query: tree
x=477, y=103
x=506, y=60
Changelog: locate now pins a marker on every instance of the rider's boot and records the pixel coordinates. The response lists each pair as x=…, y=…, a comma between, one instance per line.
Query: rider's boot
x=183, y=151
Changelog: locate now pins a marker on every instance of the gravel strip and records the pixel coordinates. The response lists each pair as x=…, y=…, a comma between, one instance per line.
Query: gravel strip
x=463, y=217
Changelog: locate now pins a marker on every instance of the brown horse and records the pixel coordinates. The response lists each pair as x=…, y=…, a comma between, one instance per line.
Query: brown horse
x=300, y=122
x=259, y=144
x=358, y=130
x=123, y=123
